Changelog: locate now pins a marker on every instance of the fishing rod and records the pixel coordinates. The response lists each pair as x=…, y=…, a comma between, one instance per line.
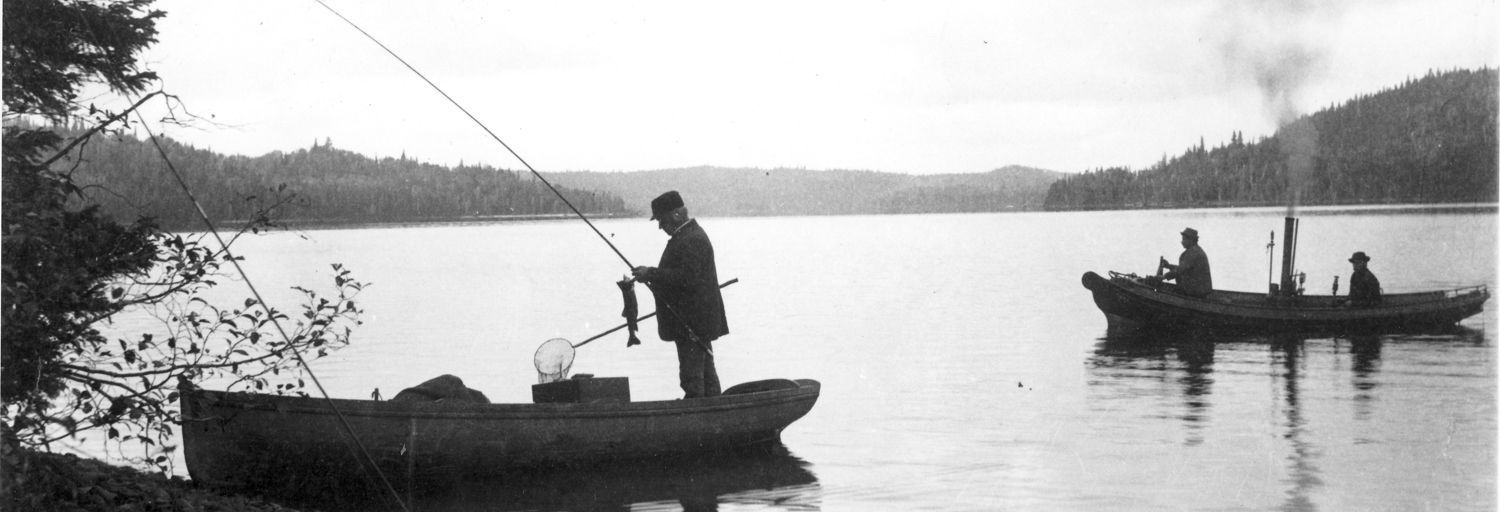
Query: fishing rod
x=507, y=147
x=487, y=130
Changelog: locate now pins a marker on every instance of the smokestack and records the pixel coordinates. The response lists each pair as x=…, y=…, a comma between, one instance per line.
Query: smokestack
x=1289, y=257
x=1274, y=44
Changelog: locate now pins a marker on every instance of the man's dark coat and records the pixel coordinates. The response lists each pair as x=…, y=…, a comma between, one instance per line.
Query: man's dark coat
x=687, y=281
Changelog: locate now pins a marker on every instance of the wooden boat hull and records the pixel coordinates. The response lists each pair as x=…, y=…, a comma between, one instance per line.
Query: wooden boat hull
x=296, y=443
x=763, y=474
x=1130, y=302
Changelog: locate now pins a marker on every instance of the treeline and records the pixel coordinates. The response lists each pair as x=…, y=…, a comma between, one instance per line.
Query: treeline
x=127, y=178
x=321, y=184
x=1429, y=140
x=720, y=191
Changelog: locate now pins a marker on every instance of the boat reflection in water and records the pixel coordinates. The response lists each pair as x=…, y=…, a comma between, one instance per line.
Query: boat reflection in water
x=1131, y=365
x=765, y=477
x=1186, y=360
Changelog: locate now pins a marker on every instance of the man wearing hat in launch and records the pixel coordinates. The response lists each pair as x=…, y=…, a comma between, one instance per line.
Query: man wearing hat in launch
x=1191, y=271
x=1364, y=288
x=689, y=307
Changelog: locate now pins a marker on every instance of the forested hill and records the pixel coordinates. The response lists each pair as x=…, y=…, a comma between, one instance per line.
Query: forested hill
x=1429, y=140
x=326, y=184
x=718, y=191
x=329, y=185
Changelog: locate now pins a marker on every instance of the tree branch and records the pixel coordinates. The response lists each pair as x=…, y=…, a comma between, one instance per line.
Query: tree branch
x=174, y=368
x=85, y=136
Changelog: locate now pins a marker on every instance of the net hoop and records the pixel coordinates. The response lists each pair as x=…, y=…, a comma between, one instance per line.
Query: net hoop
x=553, y=360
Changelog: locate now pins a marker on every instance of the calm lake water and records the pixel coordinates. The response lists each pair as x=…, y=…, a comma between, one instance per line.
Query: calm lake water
x=964, y=366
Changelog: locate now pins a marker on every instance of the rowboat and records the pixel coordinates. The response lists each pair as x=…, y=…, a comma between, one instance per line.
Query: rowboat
x=297, y=445
x=1132, y=302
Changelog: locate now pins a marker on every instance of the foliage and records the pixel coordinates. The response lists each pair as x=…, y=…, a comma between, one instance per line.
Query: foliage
x=1431, y=140
x=57, y=262
x=53, y=47
x=69, y=270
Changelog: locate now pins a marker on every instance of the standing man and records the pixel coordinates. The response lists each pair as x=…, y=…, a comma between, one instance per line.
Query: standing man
x=689, y=307
x=1191, y=271
x=1364, y=288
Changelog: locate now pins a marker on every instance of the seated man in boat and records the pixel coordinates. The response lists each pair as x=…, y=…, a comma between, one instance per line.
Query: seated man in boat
x=1364, y=288
x=690, y=309
x=1191, y=271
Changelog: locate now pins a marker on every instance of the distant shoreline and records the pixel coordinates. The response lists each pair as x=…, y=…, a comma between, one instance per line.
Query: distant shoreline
x=315, y=224
x=1215, y=206
x=320, y=224
x=1359, y=207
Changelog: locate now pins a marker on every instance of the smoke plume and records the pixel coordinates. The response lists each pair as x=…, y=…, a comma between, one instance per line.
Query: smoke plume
x=1274, y=44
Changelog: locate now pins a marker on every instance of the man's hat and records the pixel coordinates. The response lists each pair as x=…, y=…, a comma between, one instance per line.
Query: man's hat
x=665, y=203
x=1358, y=256
x=1190, y=233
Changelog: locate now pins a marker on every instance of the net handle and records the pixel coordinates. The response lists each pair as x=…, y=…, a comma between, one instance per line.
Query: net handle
x=572, y=347
x=642, y=317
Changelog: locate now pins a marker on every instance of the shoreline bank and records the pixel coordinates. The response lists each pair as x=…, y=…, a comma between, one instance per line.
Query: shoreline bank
x=35, y=480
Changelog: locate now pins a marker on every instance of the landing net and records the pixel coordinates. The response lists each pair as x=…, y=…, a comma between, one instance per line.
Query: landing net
x=553, y=360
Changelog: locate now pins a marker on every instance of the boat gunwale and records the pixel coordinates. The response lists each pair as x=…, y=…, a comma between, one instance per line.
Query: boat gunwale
x=251, y=401
x=1396, y=302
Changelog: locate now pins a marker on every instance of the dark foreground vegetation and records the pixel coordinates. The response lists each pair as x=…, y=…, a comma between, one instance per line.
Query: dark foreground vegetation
x=1429, y=140
x=54, y=482
x=69, y=268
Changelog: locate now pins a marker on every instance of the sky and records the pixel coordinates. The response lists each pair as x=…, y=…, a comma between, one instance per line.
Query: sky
x=909, y=87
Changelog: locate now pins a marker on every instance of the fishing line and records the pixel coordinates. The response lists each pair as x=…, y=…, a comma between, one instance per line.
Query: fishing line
x=507, y=147
x=271, y=314
x=486, y=130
